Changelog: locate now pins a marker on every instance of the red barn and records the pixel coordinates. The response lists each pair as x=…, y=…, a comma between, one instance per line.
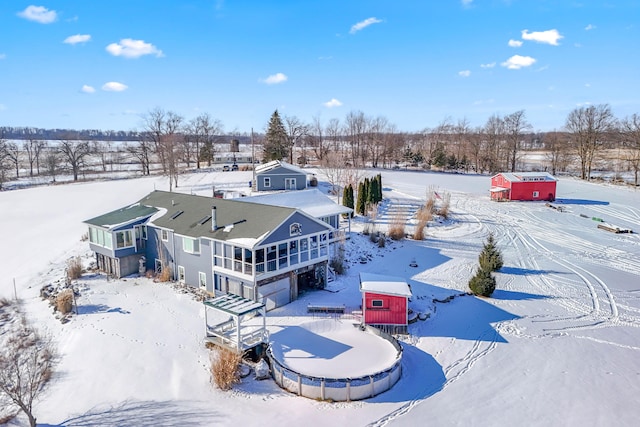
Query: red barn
x=523, y=186
x=385, y=301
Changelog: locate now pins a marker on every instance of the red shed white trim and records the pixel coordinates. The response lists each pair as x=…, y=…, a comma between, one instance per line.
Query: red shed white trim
x=523, y=186
x=384, y=299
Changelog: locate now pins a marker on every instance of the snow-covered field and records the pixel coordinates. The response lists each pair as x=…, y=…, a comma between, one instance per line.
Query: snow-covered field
x=558, y=344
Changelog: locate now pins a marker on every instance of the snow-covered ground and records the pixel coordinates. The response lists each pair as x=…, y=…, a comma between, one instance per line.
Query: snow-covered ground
x=558, y=344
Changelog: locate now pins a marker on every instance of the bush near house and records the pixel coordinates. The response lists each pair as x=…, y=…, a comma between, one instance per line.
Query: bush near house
x=224, y=368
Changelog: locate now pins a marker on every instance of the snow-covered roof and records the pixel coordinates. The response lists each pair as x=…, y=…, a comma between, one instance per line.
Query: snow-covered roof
x=311, y=201
x=381, y=284
x=278, y=164
x=234, y=304
x=527, y=176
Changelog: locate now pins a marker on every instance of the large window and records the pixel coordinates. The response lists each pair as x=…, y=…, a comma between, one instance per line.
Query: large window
x=100, y=237
x=124, y=239
x=190, y=245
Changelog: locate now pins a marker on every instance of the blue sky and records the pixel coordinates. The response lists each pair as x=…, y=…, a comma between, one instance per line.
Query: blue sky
x=102, y=64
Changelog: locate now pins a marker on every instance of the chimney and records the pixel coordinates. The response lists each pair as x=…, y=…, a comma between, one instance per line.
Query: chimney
x=214, y=223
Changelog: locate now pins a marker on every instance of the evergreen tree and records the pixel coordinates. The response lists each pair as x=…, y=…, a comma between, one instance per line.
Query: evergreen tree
x=361, y=202
x=379, y=198
x=347, y=197
x=483, y=283
x=372, y=197
x=367, y=184
x=490, y=258
x=275, y=144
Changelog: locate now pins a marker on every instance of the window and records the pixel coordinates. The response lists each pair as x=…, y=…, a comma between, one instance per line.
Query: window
x=260, y=260
x=282, y=255
x=271, y=258
x=267, y=181
x=93, y=235
x=164, y=234
x=376, y=303
x=144, y=232
x=304, y=250
x=190, y=245
x=314, y=247
x=124, y=239
x=202, y=279
x=293, y=252
x=181, y=274
x=295, y=229
x=536, y=194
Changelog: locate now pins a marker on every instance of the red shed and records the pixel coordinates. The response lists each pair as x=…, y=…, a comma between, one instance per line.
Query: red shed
x=523, y=186
x=384, y=300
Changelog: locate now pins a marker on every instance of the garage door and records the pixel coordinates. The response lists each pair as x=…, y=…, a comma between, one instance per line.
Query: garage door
x=275, y=294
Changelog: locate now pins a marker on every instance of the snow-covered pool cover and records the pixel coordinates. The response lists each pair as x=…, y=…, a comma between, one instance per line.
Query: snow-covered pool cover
x=332, y=348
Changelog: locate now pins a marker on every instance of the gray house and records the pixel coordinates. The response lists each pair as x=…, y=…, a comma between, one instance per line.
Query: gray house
x=277, y=175
x=261, y=252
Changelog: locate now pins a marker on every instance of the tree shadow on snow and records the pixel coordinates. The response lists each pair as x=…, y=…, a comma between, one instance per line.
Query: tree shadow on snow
x=515, y=296
x=100, y=308
x=145, y=413
x=581, y=202
x=468, y=318
x=525, y=271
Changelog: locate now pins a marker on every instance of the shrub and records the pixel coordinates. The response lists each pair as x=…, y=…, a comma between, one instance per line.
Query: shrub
x=64, y=301
x=382, y=241
x=74, y=268
x=483, y=283
x=337, y=262
x=396, y=229
x=165, y=274
x=224, y=368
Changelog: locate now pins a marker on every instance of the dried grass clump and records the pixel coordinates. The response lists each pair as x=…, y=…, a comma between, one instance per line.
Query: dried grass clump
x=443, y=211
x=64, y=301
x=165, y=274
x=424, y=215
x=225, y=367
x=396, y=229
x=74, y=268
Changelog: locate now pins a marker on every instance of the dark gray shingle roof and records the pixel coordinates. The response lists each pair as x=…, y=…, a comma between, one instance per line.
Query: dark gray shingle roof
x=235, y=220
x=122, y=216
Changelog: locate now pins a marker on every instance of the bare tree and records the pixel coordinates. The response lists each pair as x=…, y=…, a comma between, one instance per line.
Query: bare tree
x=4, y=165
x=630, y=132
x=296, y=130
x=33, y=148
x=354, y=129
x=515, y=124
x=102, y=149
x=557, y=151
x=333, y=132
x=494, y=137
x=13, y=155
x=74, y=153
x=52, y=163
x=319, y=144
x=204, y=130
x=26, y=361
x=142, y=151
x=589, y=126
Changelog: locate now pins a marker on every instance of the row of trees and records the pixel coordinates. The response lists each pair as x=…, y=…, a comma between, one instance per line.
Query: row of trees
x=498, y=145
x=174, y=143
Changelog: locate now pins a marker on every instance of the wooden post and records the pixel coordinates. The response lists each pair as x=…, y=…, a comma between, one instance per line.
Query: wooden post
x=15, y=291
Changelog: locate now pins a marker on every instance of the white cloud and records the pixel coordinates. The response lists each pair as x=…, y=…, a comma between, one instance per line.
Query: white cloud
x=114, y=87
x=515, y=43
x=130, y=48
x=464, y=73
x=333, y=103
x=489, y=65
x=89, y=89
x=590, y=27
x=275, y=79
x=39, y=14
x=516, y=62
x=364, y=24
x=466, y=2
x=549, y=37
x=78, y=38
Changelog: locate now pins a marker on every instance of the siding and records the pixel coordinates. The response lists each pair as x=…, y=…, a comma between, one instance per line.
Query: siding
x=392, y=312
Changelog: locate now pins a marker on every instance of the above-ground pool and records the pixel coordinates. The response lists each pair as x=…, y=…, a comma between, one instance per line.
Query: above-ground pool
x=333, y=359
